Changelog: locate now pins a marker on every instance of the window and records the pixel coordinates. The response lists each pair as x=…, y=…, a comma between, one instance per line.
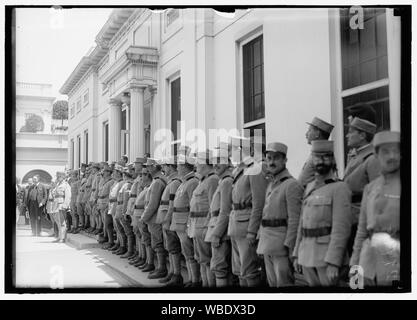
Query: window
x=106, y=141
x=125, y=132
x=86, y=146
x=78, y=105
x=85, y=98
x=72, y=154
x=72, y=110
x=253, y=80
x=365, y=68
x=175, y=106
x=79, y=151
x=172, y=15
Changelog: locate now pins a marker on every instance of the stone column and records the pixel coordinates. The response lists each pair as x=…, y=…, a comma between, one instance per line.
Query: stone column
x=115, y=125
x=137, y=115
x=153, y=112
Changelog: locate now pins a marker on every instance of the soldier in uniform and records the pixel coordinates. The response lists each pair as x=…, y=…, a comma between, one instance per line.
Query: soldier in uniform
x=149, y=217
x=248, y=198
x=80, y=200
x=143, y=236
x=164, y=217
x=198, y=218
x=318, y=129
x=111, y=213
x=103, y=202
x=86, y=197
x=92, y=198
x=75, y=184
x=97, y=184
x=181, y=211
x=61, y=195
x=362, y=166
x=280, y=218
x=377, y=241
x=220, y=207
x=325, y=222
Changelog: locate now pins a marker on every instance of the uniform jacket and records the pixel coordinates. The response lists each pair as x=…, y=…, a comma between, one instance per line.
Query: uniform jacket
x=154, y=198
x=324, y=205
x=220, y=208
x=283, y=201
x=114, y=191
x=75, y=184
x=81, y=190
x=95, y=187
x=61, y=195
x=249, y=187
x=362, y=167
x=39, y=192
x=166, y=205
x=104, y=192
x=182, y=202
x=121, y=199
x=140, y=202
x=307, y=173
x=88, y=187
x=200, y=204
x=133, y=193
x=380, y=212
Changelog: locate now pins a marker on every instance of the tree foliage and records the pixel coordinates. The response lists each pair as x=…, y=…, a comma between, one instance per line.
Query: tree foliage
x=60, y=110
x=34, y=123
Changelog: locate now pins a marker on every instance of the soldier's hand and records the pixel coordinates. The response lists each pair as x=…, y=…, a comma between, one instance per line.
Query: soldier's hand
x=297, y=267
x=215, y=242
x=251, y=238
x=332, y=273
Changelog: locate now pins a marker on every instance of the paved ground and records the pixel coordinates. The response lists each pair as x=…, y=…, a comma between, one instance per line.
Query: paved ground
x=41, y=263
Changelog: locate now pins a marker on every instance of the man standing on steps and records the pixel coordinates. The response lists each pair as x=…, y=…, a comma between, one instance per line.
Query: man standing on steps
x=199, y=212
x=323, y=232
x=86, y=195
x=75, y=184
x=103, y=201
x=61, y=195
x=149, y=217
x=80, y=197
x=318, y=129
x=92, y=200
x=36, y=200
x=171, y=241
x=97, y=184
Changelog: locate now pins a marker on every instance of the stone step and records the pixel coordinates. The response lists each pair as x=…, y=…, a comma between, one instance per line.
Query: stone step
x=81, y=241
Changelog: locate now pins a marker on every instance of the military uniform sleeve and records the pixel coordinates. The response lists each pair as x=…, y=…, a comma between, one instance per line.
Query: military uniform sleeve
x=373, y=168
x=155, y=196
x=126, y=196
x=341, y=224
x=191, y=187
x=225, y=208
x=67, y=196
x=258, y=184
x=173, y=189
x=361, y=233
x=212, y=186
x=293, y=197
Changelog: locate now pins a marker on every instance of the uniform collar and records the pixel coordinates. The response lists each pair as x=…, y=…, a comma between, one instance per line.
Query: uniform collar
x=321, y=179
x=283, y=174
x=227, y=172
x=188, y=175
x=248, y=161
x=172, y=176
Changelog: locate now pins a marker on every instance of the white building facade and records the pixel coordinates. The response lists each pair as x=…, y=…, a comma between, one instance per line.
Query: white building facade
x=43, y=152
x=268, y=69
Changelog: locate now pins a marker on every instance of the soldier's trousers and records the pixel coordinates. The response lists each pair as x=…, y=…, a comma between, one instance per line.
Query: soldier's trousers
x=171, y=241
x=74, y=214
x=145, y=234
x=81, y=212
x=108, y=223
x=245, y=261
x=220, y=260
x=102, y=213
x=157, y=240
x=136, y=231
x=59, y=218
x=121, y=236
x=279, y=272
x=316, y=277
x=187, y=246
x=126, y=222
x=92, y=214
x=202, y=250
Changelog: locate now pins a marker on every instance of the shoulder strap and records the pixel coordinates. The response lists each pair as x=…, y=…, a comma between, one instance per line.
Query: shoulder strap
x=326, y=182
x=162, y=180
x=238, y=176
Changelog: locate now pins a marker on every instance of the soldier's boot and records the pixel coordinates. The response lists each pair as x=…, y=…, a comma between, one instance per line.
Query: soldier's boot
x=243, y=283
x=222, y=282
x=189, y=280
x=133, y=256
x=143, y=256
x=114, y=247
x=195, y=274
x=107, y=245
x=176, y=279
x=170, y=271
x=211, y=278
x=121, y=251
x=149, y=266
x=162, y=271
x=203, y=273
x=75, y=224
x=102, y=239
x=81, y=223
x=254, y=282
x=130, y=248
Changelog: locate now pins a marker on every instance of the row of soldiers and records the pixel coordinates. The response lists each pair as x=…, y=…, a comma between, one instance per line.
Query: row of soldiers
x=253, y=218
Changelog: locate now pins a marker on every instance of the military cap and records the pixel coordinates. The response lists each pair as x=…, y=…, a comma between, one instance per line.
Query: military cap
x=151, y=161
x=126, y=171
x=118, y=167
x=321, y=124
x=363, y=125
x=277, y=147
x=83, y=165
x=107, y=167
x=60, y=173
x=75, y=172
x=322, y=146
x=140, y=160
x=95, y=165
x=386, y=137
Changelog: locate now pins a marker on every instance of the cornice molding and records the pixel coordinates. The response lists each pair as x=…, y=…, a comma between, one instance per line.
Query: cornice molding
x=126, y=27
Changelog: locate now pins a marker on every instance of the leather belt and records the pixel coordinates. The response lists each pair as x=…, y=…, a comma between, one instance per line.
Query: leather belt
x=119, y=202
x=87, y=187
x=133, y=196
x=138, y=206
x=215, y=213
x=102, y=197
x=113, y=200
x=56, y=197
x=356, y=198
x=274, y=222
x=182, y=209
x=316, y=232
x=93, y=189
x=164, y=202
x=238, y=206
x=198, y=214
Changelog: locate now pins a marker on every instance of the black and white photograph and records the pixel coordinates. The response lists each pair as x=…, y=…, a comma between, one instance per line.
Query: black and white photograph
x=208, y=149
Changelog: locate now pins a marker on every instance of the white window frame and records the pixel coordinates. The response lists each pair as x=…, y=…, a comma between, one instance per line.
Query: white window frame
x=125, y=134
x=86, y=94
x=78, y=103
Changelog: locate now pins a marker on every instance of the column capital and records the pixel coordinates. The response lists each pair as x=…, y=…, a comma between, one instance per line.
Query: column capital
x=137, y=88
x=153, y=90
x=115, y=102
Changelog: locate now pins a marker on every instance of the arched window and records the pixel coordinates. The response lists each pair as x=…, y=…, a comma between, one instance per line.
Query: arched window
x=44, y=176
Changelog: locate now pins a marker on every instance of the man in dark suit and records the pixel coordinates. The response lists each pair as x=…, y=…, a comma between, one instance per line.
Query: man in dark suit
x=36, y=200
